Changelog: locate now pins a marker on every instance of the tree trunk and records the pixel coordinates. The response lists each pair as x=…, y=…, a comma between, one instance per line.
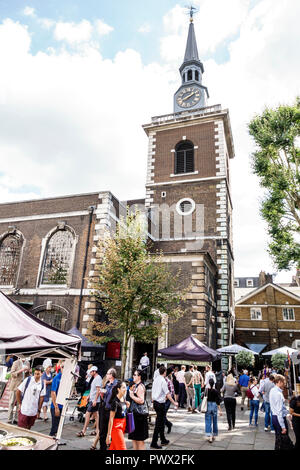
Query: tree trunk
x=124, y=354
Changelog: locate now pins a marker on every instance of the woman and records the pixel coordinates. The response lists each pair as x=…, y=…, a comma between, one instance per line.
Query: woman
x=230, y=388
x=295, y=412
x=138, y=395
x=211, y=415
x=254, y=400
x=47, y=381
x=117, y=419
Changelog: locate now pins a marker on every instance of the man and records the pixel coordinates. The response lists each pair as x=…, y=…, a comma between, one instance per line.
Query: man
x=160, y=392
x=198, y=383
x=278, y=409
x=209, y=374
x=93, y=400
x=189, y=387
x=156, y=372
x=181, y=381
x=104, y=410
x=265, y=390
x=30, y=397
x=220, y=379
x=18, y=369
x=56, y=409
x=144, y=364
x=243, y=382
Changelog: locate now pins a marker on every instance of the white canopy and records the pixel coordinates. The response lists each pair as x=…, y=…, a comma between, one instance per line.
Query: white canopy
x=234, y=349
x=283, y=350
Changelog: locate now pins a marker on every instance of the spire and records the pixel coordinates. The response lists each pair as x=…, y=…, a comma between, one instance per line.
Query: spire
x=191, y=52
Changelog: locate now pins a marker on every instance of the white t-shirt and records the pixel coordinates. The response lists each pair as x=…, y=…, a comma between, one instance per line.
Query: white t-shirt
x=30, y=402
x=97, y=382
x=209, y=375
x=255, y=391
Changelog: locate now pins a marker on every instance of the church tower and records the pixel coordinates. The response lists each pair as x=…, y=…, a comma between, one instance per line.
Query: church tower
x=192, y=94
x=188, y=179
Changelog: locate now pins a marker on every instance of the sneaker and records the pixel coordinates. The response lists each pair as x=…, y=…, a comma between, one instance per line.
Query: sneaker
x=155, y=446
x=189, y=409
x=272, y=431
x=266, y=429
x=194, y=411
x=210, y=439
x=229, y=428
x=165, y=443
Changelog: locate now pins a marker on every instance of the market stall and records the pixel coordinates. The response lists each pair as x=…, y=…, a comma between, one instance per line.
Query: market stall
x=188, y=351
x=233, y=350
x=25, y=336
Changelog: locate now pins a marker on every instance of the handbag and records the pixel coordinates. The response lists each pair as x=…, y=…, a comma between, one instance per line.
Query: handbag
x=130, y=426
x=139, y=409
x=204, y=403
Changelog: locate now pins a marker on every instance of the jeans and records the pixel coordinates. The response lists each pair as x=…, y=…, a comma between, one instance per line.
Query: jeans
x=182, y=395
x=230, y=406
x=197, y=395
x=254, y=407
x=159, y=430
x=211, y=419
x=268, y=416
x=55, y=421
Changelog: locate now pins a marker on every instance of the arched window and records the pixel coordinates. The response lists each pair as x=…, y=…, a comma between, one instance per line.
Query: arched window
x=184, y=157
x=58, y=258
x=10, y=255
x=190, y=75
x=56, y=317
x=197, y=75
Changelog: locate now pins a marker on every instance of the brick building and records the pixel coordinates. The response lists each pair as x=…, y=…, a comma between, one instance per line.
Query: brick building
x=48, y=247
x=269, y=317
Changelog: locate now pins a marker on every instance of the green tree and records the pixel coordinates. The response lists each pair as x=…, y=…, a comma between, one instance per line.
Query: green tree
x=277, y=164
x=278, y=361
x=134, y=287
x=244, y=359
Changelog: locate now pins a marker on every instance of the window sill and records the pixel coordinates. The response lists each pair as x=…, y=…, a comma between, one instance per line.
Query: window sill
x=53, y=286
x=184, y=174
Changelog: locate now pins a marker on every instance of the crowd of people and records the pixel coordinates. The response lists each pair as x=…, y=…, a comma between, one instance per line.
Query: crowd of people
x=117, y=407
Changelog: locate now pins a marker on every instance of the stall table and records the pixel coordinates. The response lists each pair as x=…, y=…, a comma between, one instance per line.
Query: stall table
x=43, y=442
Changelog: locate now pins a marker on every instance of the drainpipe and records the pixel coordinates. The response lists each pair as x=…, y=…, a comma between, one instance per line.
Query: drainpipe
x=91, y=212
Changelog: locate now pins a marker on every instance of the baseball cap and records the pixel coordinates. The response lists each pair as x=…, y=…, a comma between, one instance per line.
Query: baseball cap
x=94, y=369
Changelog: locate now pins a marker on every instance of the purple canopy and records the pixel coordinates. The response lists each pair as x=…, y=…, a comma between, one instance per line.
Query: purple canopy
x=22, y=332
x=190, y=349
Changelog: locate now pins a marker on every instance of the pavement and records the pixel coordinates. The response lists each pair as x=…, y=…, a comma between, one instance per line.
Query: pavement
x=187, y=432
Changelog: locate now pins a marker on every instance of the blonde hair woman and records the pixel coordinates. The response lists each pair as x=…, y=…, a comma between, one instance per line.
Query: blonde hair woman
x=229, y=389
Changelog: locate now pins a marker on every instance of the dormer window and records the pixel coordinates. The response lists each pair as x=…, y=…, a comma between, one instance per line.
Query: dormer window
x=184, y=157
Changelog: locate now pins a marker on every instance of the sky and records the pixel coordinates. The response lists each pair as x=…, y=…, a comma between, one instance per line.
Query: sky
x=78, y=78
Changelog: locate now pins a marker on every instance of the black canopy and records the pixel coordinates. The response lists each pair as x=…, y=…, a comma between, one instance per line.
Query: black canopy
x=190, y=349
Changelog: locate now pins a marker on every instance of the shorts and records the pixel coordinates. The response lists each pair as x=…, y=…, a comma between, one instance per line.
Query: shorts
x=91, y=408
x=26, y=422
x=46, y=403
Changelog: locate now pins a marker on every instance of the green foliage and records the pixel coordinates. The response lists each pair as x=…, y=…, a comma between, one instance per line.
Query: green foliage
x=136, y=289
x=245, y=359
x=277, y=164
x=278, y=361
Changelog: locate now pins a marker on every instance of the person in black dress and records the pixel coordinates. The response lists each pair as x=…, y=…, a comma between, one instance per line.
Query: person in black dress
x=138, y=395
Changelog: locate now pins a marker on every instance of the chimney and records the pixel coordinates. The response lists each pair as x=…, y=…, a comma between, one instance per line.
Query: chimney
x=264, y=278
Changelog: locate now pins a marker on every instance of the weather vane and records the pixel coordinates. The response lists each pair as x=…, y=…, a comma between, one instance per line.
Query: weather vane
x=192, y=11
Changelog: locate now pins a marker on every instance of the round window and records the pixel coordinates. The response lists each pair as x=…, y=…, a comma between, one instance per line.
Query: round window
x=185, y=206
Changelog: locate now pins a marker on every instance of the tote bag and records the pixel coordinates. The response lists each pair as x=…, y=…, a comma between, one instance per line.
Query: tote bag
x=204, y=402
x=130, y=426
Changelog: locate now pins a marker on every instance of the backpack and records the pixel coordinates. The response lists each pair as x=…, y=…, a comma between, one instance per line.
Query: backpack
x=249, y=394
x=27, y=384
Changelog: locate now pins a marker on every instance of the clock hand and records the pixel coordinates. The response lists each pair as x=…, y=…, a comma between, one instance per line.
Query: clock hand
x=187, y=97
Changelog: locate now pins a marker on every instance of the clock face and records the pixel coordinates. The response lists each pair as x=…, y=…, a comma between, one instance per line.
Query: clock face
x=188, y=97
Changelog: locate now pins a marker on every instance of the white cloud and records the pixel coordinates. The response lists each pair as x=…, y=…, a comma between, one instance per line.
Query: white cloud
x=73, y=33
x=144, y=28
x=103, y=28
x=71, y=121
x=29, y=11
